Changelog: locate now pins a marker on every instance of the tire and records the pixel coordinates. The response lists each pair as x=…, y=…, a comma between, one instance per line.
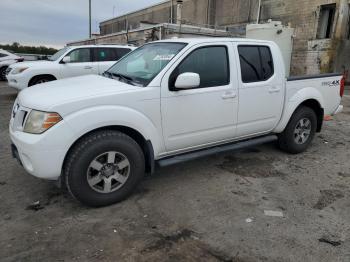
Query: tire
x=40, y=80
x=3, y=73
x=88, y=182
x=296, y=138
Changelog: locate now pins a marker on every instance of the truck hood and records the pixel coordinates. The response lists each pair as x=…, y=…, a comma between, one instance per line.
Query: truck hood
x=83, y=90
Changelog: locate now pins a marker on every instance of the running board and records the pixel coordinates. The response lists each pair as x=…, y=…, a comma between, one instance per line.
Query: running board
x=216, y=149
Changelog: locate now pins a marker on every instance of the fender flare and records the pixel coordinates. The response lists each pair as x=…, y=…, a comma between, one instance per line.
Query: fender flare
x=117, y=116
x=304, y=94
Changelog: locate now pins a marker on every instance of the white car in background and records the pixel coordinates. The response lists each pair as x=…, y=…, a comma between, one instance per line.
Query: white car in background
x=68, y=62
x=6, y=59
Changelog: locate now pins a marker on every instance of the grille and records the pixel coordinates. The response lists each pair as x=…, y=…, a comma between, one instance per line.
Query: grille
x=19, y=115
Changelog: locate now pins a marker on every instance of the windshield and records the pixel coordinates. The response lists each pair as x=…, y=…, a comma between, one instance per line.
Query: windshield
x=142, y=65
x=58, y=54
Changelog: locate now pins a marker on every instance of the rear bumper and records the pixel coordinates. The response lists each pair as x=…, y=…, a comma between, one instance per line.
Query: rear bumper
x=338, y=110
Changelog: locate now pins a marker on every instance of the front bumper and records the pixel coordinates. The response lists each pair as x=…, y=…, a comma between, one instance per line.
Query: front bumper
x=18, y=81
x=41, y=155
x=15, y=154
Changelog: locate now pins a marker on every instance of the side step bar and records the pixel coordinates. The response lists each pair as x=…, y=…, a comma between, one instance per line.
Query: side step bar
x=216, y=149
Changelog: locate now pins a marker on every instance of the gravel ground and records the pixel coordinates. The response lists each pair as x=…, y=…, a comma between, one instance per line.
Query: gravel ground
x=210, y=209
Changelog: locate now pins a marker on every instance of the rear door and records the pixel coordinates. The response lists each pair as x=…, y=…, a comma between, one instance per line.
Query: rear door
x=80, y=63
x=206, y=114
x=107, y=56
x=261, y=89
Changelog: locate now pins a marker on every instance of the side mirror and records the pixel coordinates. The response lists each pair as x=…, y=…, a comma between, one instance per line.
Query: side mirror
x=187, y=81
x=66, y=60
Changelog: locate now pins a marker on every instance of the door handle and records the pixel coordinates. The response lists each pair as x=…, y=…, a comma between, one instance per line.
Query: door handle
x=87, y=67
x=274, y=89
x=228, y=95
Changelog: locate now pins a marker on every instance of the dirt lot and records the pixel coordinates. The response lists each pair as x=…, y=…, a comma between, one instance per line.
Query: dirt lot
x=211, y=209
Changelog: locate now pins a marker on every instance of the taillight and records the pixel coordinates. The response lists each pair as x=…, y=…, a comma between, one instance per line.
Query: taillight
x=342, y=86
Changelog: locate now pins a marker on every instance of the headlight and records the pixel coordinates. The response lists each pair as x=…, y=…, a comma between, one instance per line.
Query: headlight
x=18, y=70
x=38, y=122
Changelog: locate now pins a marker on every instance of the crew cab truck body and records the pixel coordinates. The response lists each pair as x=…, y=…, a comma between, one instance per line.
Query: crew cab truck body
x=167, y=101
x=70, y=61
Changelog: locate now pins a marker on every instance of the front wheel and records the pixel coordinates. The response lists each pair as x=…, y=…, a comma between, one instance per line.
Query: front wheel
x=40, y=80
x=299, y=132
x=103, y=168
x=3, y=73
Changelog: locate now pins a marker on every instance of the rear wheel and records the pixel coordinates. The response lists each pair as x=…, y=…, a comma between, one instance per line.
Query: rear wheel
x=3, y=73
x=300, y=131
x=104, y=168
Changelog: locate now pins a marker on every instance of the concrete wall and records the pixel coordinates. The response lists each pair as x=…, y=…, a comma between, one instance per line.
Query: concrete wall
x=310, y=55
x=193, y=12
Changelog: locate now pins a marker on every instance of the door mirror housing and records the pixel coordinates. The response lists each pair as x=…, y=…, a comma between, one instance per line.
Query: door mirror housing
x=66, y=60
x=187, y=81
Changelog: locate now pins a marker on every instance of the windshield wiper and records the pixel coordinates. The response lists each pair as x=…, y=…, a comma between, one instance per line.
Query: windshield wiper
x=126, y=79
x=107, y=74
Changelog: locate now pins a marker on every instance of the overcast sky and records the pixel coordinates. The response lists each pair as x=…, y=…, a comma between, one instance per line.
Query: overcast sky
x=56, y=22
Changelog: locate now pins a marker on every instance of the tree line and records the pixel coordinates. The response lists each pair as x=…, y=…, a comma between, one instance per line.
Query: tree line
x=39, y=50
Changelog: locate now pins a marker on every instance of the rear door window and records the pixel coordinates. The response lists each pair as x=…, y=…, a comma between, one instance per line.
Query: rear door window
x=106, y=54
x=122, y=51
x=256, y=63
x=110, y=54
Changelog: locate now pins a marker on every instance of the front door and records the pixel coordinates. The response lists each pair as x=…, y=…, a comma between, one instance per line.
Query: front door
x=80, y=63
x=207, y=114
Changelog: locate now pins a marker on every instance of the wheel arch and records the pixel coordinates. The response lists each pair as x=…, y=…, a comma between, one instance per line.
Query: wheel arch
x=30, y=83
x=316, y=107
x=145, y=145
x=309, y=97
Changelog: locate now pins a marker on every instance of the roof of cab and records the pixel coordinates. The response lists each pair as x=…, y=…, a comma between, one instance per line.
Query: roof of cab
x=212, y=40
x=110, y=45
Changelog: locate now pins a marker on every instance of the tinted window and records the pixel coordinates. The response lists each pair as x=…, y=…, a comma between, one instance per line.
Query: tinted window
x=110, y=54
x=122, y=52
x=106, y=54
x=80, y=55
x=256, y=63
x=3, y=55
x=211, y=63
x=266, y=62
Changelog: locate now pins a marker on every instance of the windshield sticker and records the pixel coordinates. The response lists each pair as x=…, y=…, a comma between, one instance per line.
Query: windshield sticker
x=163, y=57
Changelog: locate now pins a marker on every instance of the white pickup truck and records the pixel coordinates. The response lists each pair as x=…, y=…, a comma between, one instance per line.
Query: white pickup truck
x=68, y=62
x=166, y=102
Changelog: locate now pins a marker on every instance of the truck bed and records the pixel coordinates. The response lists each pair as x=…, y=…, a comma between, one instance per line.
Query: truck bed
x=325, y=86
